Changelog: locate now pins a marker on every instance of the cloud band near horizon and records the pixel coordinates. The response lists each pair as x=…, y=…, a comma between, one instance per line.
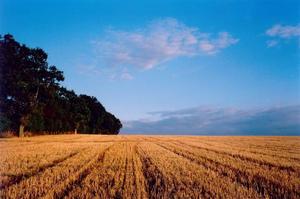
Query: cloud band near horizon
x=221, y=121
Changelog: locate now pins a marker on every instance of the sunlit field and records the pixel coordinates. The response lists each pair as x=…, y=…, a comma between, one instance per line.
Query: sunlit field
x=89, y=166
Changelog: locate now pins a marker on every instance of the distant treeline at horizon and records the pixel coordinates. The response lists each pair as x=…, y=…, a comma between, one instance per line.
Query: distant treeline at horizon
x=32, y=99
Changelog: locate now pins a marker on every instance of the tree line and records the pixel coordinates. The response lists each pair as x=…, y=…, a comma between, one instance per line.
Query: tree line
x=32, y=98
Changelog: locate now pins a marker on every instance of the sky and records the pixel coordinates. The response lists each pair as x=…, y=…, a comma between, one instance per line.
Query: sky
x=174, y=66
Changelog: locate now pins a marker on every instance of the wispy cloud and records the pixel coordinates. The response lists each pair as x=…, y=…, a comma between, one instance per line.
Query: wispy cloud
x=126, y=76
x=279, y=32
x=272, y=43
x=88, y=69
x=284, y=31
x=121, y=75
x=158, y=42
x=206, y=120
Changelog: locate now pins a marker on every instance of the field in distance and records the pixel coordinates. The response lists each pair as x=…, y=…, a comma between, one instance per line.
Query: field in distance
x=95, y=166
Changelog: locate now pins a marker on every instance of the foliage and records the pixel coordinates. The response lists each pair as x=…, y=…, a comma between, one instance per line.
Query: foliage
x=31, y=96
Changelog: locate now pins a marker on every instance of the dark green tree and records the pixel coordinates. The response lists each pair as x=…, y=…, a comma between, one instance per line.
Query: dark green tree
x=32, y=98
x=25, y=73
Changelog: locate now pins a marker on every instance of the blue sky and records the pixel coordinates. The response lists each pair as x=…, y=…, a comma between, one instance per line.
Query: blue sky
x=140, y=57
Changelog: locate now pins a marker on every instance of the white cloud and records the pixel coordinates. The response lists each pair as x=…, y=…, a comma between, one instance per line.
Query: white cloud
x=280, y=32
x=284, y=31
x=212, y=46
x=158, y=42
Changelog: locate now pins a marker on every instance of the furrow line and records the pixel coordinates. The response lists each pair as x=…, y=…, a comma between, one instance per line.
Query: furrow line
x=155, y=180
x=287, y=169
x=160, y=185
x=18, y=178
x=63, y=189
x=260, y=184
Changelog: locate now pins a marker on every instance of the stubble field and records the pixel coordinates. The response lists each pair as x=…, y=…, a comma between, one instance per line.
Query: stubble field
x=93, y=166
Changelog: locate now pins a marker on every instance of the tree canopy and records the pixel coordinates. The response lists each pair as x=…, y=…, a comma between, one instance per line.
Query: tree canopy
x=32, y=98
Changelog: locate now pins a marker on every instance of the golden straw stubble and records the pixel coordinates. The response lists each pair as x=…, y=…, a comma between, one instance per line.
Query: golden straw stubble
x=123, y=166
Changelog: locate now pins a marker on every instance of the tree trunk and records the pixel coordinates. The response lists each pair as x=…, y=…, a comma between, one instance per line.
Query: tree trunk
x=76, y=127
x=21, y=130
